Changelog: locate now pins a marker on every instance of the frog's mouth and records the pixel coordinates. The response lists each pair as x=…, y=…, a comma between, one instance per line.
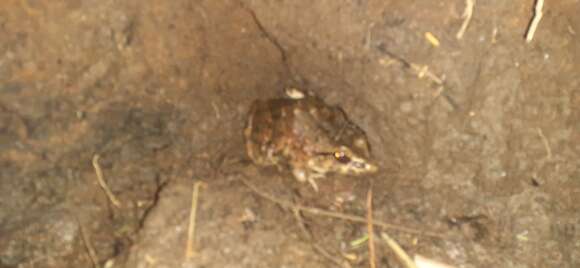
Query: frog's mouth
x=359, y=166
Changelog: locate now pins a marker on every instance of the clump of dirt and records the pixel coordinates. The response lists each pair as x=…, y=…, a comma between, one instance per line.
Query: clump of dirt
x=477, y=138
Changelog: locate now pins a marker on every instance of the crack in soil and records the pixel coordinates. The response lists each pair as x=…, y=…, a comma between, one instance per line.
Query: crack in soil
x=271, y=38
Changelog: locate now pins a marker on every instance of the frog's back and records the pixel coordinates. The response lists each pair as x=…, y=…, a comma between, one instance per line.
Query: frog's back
x=268, y=130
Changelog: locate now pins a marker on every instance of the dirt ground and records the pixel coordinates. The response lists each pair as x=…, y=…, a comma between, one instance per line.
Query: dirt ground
x=489, y=160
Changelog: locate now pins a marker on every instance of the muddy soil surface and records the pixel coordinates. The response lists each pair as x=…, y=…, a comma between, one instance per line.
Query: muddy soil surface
x=488, y=158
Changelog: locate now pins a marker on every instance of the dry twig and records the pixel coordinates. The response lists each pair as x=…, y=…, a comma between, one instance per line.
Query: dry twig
x=322, y=212
x=102, y=182
x=189, y=251
x=535, y=21
x=467, y=13
x=371, y=241
x=301, y=224
x=403, y=256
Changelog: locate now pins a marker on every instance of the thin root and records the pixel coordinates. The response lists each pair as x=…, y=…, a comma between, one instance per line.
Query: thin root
x=88, y=245
x=370, y=231
x=102, y=182
x=546, y=143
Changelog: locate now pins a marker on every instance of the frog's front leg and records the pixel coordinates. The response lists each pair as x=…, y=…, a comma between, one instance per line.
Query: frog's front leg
x=303, y=175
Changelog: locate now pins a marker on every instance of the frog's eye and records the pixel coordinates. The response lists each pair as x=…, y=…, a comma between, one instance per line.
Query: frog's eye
x=341, y=157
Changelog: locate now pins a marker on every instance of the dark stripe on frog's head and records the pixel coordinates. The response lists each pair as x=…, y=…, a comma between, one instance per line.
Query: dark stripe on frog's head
x=348, y=162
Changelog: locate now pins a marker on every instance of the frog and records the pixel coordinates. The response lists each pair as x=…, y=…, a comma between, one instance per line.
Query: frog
x=304, y=134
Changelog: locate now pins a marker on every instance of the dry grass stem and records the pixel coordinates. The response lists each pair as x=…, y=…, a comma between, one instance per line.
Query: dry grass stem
x=538, y=14
x=189, y=251
x=403, y=256
x=371, y=240
x=467, y=14
x=331, y=214
x=102, y=182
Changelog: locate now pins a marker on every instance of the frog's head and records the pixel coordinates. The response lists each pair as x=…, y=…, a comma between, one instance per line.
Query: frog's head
x=342, y=160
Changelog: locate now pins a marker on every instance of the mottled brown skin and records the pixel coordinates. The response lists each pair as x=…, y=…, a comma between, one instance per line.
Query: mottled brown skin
x=308, y=136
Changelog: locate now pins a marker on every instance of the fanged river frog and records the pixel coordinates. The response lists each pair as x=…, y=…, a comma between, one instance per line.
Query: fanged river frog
x=306, y=135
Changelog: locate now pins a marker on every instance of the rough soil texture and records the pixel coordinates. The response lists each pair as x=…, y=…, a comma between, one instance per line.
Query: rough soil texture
x=159, y=89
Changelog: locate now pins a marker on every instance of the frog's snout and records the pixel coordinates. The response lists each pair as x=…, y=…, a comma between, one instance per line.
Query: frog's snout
x=361, y=166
